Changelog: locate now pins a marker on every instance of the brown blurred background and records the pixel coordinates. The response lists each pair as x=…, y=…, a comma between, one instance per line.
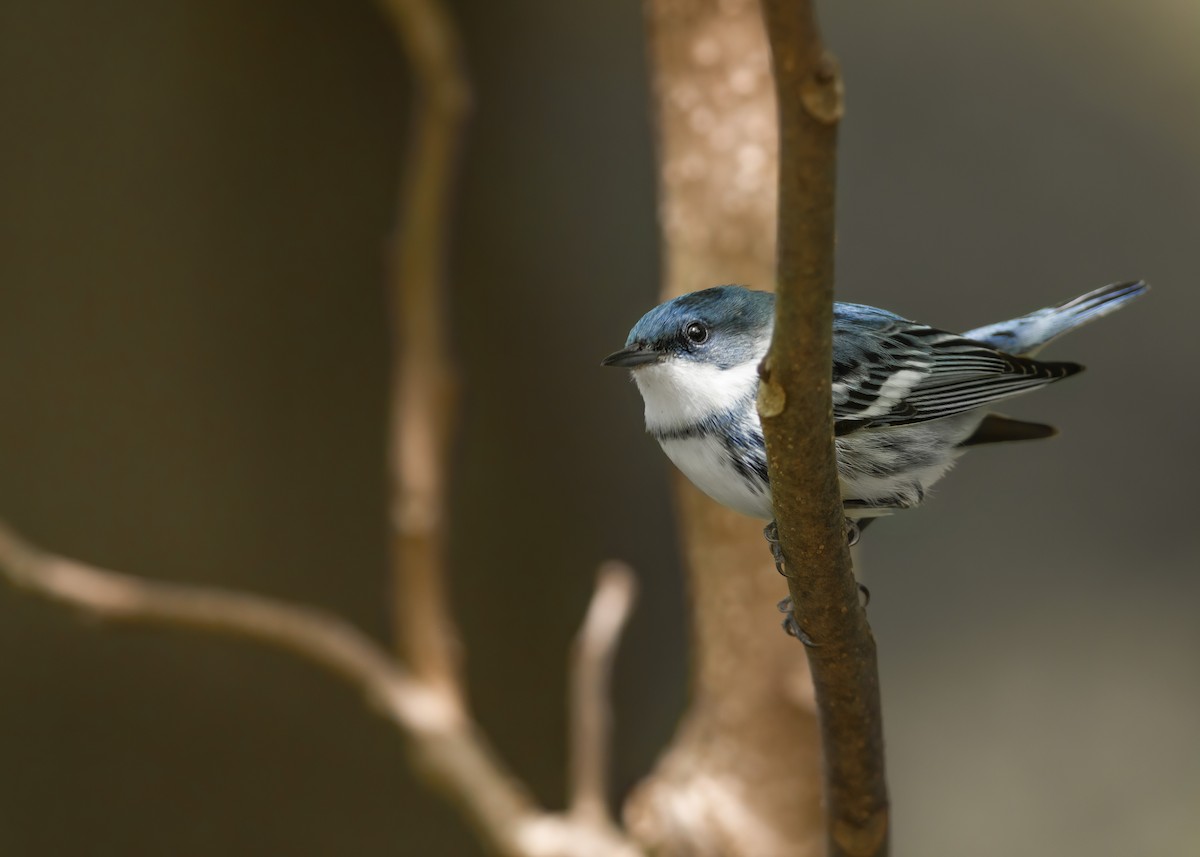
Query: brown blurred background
x=193, y=202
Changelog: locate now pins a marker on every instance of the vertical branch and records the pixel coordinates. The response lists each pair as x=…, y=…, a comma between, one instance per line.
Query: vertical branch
x=797, y=414
x=590, y=706
x=423, y=395
x=741, y=777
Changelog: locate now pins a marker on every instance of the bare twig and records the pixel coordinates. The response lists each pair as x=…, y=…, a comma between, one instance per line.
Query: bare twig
x=423, y=378
x=448, y=744
x=424, y=410
x=590, y=704
x=424, y=423
x=796, y=408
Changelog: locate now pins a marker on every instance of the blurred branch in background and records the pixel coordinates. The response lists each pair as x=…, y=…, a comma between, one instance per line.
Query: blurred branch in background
x=742, y=776
x=590, y=706
x=423, y=398
x=425, y=700
x=447, y=742
x=797, y=415
x=449, y=748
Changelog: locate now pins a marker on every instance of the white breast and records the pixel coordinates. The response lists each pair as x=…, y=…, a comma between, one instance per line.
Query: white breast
x=706, y=462
x=681, y=393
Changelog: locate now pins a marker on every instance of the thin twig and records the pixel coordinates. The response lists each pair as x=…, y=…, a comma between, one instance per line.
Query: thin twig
x=450, y=746
x=315, y=635
x=423, y=395
x=590, y=703
x=796, y=408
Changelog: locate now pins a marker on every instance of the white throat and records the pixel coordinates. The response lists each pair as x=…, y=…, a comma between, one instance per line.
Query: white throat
x=680, y=393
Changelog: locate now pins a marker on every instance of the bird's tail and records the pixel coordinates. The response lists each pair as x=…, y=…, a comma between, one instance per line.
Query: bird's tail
x=1030, y=333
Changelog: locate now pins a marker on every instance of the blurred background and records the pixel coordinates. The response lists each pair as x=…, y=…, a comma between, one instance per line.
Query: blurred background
x=192, y=376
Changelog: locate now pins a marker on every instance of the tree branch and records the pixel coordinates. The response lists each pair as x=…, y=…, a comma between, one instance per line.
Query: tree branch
x=448, y=745
x=454, y=752
x=590, y=706
x=741, y=777
x=797, y=414
x=423, y=395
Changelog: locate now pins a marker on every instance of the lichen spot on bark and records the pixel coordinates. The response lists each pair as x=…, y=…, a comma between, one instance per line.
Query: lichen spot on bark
x=822, y=92
x=772, y=398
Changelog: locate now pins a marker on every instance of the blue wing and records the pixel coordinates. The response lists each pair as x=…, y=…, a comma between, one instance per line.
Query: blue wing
x=889, y=371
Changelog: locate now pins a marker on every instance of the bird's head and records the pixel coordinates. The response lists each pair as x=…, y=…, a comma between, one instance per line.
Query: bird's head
x=698, y=354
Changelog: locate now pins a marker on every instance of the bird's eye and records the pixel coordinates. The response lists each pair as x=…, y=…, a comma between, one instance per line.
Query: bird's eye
x=696, y=332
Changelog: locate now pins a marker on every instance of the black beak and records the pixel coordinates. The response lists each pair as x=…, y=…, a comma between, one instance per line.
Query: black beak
x=631, y=358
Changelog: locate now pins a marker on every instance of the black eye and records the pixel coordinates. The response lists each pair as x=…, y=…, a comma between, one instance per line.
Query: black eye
x=696, y=332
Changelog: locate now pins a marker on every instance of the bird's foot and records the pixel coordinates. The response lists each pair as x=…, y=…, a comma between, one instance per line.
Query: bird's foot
x=791, y=626
x=771, y=534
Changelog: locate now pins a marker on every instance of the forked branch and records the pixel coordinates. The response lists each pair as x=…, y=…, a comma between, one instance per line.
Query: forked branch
x=451, y=748
x=451, y=744
x=424, y=698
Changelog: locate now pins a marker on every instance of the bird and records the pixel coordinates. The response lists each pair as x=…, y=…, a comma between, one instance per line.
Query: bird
x=908, y=399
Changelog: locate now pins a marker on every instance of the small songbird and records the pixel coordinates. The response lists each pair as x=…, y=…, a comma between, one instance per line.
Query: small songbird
x=907, y=398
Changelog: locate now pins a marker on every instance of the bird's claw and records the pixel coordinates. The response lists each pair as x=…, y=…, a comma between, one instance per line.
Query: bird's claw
x=791, y=627
x=771, y=534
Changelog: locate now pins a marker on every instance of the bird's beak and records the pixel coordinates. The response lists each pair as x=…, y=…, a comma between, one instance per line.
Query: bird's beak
x=631, y=358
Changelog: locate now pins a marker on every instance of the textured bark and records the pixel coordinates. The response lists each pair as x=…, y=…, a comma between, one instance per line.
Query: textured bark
x=797, y=413
x=741, y=776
